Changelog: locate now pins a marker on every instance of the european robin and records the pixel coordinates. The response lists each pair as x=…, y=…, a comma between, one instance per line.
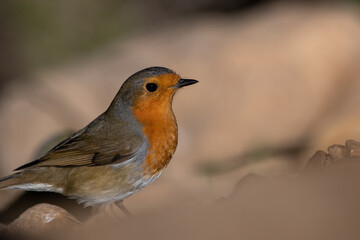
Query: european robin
x=120, y=152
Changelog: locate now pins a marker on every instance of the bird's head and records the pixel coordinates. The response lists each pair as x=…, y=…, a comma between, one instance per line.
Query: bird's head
x=152, y=87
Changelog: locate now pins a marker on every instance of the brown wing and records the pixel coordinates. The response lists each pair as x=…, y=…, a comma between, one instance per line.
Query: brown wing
x=90, y=148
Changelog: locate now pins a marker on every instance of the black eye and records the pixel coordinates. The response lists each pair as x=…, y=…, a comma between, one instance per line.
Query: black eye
x=151, y=87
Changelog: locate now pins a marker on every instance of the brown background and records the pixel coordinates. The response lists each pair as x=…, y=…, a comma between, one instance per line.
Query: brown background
x=277, y=82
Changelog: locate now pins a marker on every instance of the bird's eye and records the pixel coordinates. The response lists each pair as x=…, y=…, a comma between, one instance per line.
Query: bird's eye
x=151, y=87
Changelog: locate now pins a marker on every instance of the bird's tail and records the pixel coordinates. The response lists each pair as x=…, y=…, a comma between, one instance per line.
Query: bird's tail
x=9, y=181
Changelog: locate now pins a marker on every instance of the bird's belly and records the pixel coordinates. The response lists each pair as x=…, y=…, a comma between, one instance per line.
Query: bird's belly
x=105, y=184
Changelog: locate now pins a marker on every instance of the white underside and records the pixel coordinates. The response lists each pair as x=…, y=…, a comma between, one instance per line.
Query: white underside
x=38, y=187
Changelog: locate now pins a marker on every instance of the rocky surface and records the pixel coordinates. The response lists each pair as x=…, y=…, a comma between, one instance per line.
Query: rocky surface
x=336, y=153
x=41, y=220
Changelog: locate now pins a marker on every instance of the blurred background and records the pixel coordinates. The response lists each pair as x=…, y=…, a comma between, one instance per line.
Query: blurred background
x=278, y=80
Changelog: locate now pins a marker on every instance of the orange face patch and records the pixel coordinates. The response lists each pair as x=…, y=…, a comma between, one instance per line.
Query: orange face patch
x=153, y=110
x=165, y=89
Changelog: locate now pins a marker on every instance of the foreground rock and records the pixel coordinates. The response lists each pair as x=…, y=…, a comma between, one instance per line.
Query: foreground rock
x=336, y=153
x=41, y=220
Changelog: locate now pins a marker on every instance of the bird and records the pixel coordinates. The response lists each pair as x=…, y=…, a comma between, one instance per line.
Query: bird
x=120, y=152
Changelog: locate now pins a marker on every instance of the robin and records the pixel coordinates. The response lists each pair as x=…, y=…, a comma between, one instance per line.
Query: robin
x=120, y=152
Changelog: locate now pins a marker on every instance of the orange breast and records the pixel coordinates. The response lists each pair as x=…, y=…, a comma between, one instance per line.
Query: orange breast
x=159, y=126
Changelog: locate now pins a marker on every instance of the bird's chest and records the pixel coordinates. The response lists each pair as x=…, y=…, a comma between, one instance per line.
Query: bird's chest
x=162, y=138
x=160, y=129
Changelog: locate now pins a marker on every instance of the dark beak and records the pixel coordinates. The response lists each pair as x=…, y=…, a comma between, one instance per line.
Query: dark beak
x=185, y=82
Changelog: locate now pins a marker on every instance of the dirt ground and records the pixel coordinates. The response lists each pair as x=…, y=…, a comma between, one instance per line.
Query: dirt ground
x=275, y=85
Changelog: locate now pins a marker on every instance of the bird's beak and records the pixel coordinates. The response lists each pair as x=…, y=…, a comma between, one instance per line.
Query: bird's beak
x=185, y=82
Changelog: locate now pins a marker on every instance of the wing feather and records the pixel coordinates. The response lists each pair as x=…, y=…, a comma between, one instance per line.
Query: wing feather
x=85, y=148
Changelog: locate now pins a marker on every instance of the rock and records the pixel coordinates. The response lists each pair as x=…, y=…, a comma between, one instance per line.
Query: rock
x=319, y=160
x=336, y=153
x=42, y=219
x=353, y=148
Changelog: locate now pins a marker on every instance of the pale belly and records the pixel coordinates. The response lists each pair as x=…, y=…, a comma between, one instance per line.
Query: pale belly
x=105, y=184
